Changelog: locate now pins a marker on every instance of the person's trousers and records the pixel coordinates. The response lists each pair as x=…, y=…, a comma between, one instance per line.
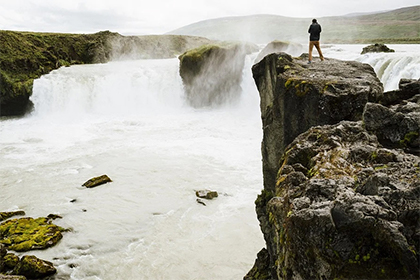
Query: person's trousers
x=318, y=48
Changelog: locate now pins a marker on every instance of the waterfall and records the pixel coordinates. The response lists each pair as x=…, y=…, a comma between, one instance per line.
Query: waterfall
x=389, y=67
x=136, y=87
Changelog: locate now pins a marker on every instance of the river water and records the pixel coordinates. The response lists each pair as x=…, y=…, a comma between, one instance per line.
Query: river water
x=128, y=119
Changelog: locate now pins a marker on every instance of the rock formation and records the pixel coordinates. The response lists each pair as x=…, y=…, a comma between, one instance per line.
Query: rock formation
x=212, y=74
x=25, y=56
x=376, y=48
x=296, y=96
x=338, y=202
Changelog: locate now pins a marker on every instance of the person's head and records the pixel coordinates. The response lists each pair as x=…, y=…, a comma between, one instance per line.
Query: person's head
x=314, y=20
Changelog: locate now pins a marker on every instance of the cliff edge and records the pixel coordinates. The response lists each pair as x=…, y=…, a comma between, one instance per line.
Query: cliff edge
x=339, y=201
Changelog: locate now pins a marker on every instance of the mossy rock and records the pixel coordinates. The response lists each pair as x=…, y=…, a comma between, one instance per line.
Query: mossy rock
x=26, y=234
x=34, y=268
x=11, y=260
x=96, y=181
x=212, y=74
x=7, y=215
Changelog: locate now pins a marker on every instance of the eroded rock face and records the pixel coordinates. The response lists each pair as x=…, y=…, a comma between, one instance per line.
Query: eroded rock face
x=212, y=74
x=296, y=96
x=343, y=207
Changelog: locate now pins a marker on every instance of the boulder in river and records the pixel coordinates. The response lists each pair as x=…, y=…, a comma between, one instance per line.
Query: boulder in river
x=96, y=181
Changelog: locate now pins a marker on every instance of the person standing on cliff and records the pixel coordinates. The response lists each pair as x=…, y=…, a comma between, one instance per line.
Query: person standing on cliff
x=315, y=34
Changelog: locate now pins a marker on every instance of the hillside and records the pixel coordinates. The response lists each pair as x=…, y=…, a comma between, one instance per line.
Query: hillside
x=397, y=26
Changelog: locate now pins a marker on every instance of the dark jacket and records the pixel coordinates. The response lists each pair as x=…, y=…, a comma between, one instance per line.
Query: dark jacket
x=315, y=31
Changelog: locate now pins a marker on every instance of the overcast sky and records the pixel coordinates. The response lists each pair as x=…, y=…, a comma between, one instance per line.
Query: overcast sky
x=161, y=16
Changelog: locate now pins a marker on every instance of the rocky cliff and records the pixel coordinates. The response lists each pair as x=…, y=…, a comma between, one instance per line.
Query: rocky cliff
x=25, y=56
x=340, y=200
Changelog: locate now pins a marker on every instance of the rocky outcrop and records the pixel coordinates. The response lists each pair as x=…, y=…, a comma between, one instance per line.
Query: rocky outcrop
x=396, y=120
x=376, y=48
x=343, y=207
x=296, y=96
x=294, y=49
x=338, y=201
x=25, y=56
x=212, y=74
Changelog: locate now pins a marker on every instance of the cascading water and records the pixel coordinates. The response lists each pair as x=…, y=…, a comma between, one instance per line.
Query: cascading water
x=389, y=67
x=129, y=120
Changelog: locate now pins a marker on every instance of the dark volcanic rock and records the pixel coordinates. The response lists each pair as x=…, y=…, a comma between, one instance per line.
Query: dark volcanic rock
x=376, y=48
x=296, y=96
x=408, y=88
x=397, y=126
x=338, y=201
x=354, y=215
x=212, y=74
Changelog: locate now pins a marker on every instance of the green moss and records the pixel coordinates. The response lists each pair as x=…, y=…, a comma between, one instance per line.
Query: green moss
x=26, y=234
x=11, y=260
x=7, y=215
x=408, y=138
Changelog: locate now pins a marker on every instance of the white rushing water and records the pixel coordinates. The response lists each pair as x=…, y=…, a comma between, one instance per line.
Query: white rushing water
x=129, y=120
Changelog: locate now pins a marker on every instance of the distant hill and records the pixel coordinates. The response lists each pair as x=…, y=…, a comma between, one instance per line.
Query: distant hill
x=397, y=26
